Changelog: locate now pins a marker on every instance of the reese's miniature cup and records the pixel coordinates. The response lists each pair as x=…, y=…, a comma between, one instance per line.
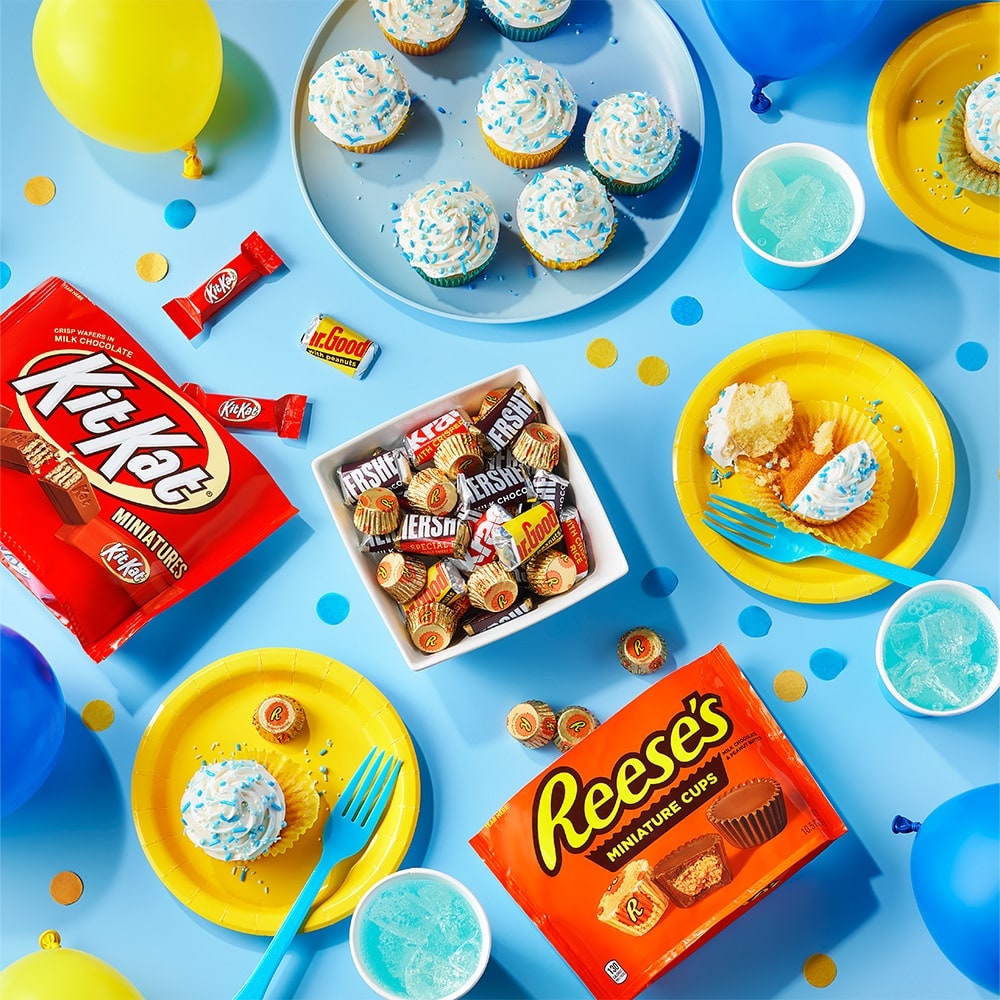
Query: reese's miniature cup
x=796, y=207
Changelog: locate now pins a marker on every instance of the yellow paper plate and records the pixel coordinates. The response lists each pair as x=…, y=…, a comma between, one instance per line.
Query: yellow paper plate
x=912, y=97
x=818, y=364
x=209, y=715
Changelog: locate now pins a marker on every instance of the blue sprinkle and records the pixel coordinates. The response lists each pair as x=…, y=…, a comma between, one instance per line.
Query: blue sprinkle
x=754, y=621
x=179, y=214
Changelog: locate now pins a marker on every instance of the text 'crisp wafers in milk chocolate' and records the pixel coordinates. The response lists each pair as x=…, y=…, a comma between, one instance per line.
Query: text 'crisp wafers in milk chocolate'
x=659, y=827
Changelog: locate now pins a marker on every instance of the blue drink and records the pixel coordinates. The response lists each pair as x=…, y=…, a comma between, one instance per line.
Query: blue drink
x=796, y=208
x=940, y=651
x=419, y=939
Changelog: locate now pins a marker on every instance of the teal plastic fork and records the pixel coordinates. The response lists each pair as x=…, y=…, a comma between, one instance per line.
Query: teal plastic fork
x=348, y=828
x=760, y=533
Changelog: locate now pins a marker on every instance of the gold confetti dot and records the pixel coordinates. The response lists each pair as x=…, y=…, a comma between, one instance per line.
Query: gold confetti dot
x=602, y=353
x=40, y=190
x=653, y=370
x=789, y=685
x=66, y=888
x=49, y=940
x=820, y=970
x=151, y=267
x=97, y=715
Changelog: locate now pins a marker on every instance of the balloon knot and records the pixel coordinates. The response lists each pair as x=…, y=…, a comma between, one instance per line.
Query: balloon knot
x=759, y=101
x=900, y=824
x=192, y=162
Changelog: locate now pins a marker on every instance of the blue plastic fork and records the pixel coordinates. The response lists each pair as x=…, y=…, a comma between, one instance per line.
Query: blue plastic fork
x=757, y=532
x=348, y=828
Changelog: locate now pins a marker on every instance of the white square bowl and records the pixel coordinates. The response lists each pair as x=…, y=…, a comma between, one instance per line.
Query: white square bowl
x=607, y=561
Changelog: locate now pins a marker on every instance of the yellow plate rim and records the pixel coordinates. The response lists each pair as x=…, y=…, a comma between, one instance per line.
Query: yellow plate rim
x=795, y=356
x=911, y=60
x=186, y=723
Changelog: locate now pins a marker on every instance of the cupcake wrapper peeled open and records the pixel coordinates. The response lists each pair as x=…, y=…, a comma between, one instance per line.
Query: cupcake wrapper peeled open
x=301, y=798
x=955, y=159
x=859, y=527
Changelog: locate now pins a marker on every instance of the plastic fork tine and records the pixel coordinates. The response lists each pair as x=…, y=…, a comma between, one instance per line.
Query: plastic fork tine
x=723, y=503
x=734, y=520
x=362, y=811
x=347, y=795
x=744, y=541
x=379, y=807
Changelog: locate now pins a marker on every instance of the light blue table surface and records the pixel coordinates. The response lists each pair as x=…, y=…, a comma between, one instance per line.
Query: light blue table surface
x=897, y=287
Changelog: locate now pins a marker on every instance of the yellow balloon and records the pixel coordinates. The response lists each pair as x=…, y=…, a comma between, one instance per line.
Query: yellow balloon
x=64, y=974
x=141, y=75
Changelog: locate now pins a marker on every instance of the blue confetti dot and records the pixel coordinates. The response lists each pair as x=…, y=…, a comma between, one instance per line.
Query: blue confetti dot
x=754, y=621
x=686, y=310
x=4, y=273
x=827, y=663
x=333, y=608
x=660, y=582
x=179, y=214
x=971, y=356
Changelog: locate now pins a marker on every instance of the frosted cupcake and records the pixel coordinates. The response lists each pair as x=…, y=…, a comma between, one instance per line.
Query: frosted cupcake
x=526, y=112
x=526, y=20
x=448, y=232
x=632, y=142
x=359, y=100
x=565, y=218
x=970, y=138
x=239, y=809
x=419, y=27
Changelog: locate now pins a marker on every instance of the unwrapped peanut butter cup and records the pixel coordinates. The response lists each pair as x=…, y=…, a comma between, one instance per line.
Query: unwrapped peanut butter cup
x=750, y=813
x=694, y=869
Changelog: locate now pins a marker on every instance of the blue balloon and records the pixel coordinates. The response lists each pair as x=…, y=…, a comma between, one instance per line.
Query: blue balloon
x=778, y=39
x=32, y=720
x=955, y=871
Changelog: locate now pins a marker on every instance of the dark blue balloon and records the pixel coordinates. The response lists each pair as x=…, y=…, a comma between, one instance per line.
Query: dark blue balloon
x=32, y=720
x=955, y=871
x=778, y=39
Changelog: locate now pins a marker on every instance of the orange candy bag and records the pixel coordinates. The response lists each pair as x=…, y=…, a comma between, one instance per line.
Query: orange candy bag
x=665, y=824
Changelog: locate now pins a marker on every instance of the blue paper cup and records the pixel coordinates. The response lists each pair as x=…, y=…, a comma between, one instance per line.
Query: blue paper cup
x=950, y=588
x=771, y=271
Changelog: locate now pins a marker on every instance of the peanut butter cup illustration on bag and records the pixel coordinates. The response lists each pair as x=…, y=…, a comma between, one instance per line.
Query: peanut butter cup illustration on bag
x=694, y=869
x=750, y=813
x=632, y=902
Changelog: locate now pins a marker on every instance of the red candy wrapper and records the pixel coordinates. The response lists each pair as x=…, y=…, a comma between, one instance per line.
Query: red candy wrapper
x=248, y=413
x=120, y=496
x=254, y=260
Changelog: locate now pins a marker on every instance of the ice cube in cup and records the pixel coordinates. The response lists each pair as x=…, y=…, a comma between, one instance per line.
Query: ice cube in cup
x=419, y=934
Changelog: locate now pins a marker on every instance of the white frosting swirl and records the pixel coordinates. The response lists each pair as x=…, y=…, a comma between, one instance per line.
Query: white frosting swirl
x=631, y=137
x=842, y=485
x=982, y=119
x=527, y=106
x=719, y=444
x=565, y=214
x=447, y=228
x=418, y=22
x=233, y=810
x=527, y=13
x=358, y=97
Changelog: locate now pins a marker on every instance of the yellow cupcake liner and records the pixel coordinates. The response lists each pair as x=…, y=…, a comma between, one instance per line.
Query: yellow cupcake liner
x=955, y=157
x=427, y=48
x=521, y=161
x=858, y=528
x=570, y=265
x=301, y=797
